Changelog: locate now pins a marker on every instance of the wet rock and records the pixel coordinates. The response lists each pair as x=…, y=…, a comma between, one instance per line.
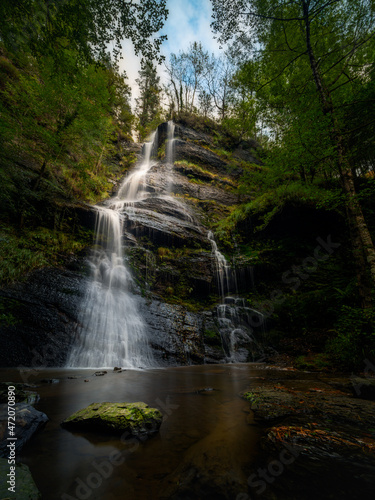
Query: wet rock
x=26, y=488
x=196, y=154
x=134, y=419
x=363, y=388
x=322, y=435
x=28, y=421
x=49, y=381
x=175, y=334
x=117, y=369
x=204, y=192
x=100, y=373
x=188, y=134
x=22, y=393
x=46, y=307
x=164, y=230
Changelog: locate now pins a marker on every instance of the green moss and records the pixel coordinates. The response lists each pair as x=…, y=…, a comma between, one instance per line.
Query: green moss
x=254, y=399
x=21, y=252
x=314, y=362
x=135, y=418
x=25, y=485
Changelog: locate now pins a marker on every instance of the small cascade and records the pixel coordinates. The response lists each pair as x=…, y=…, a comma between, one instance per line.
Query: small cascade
x=235, y=319
x=170, y=153
x=133, y=187
x=223, y=270
x=170, y=143
x=112, y=332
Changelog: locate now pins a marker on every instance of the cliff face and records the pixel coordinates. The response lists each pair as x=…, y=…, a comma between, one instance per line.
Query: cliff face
x=167, y=247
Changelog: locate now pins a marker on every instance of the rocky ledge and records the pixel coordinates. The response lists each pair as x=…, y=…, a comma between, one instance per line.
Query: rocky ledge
x=318, y=442
x=130, y=419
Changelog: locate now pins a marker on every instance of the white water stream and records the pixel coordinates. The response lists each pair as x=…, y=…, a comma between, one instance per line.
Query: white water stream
x=112, y=332
x=235, y=318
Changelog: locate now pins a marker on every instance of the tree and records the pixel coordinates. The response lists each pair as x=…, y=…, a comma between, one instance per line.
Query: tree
x=148, y=102
x=205, y=103
x=186, y=71
x=218, y=77
x=311, y=55
x=85, y=26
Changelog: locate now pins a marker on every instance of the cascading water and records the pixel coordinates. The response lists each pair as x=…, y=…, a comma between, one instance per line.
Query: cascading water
x=235, y=319
x=169, y=153
x=223, y=271
x=170, y=143
x=132, y=188
x=112, y=332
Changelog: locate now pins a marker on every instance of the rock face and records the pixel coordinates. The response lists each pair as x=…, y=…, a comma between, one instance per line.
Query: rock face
x=28, y=422
x=25, y=487
x=130, y=419
x=46, y=308
x=167, y=247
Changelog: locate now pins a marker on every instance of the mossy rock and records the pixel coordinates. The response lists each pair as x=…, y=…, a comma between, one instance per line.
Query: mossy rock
x=22, y=395
x=130, y=419
x=25, y=488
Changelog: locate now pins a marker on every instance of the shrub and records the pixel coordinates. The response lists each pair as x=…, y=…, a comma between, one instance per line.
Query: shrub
x=355, y=338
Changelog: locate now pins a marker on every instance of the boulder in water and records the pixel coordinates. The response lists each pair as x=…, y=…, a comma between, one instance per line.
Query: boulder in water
x=25, y=486
x=28, y=421
x=132, y=419
x=22, y=394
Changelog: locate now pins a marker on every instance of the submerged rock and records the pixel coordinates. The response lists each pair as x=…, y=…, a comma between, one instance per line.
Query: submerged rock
x=28, y=421
x=25, y=486
x=134, y=419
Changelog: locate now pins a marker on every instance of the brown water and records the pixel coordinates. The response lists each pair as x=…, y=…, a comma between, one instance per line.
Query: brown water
x=209, y=431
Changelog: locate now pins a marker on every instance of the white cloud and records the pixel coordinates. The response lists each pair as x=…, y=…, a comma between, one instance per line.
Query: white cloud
x=188, y=21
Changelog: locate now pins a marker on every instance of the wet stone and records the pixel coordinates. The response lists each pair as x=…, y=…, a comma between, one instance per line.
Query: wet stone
x=129, y=419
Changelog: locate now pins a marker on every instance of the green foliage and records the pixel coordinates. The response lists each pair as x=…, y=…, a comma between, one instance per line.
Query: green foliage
x=148, y=109
x=354, y=339
x=318, y=362
x=22, y=252
x=7, y=318
x=85, y=26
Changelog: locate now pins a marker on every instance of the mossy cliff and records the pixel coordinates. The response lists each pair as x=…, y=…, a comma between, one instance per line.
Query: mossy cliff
x=269, y=243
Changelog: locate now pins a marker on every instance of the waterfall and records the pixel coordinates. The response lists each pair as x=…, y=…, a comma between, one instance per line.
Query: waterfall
x=133, y=186
x=170, y=143
x=223, y=270
x=169, y=155
x=112, y=332
x=235, y=319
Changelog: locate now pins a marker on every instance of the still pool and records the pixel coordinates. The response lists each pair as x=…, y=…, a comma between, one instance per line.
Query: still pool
x=205, y=447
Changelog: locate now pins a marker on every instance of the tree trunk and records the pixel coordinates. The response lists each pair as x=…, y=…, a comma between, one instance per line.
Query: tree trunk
x=362, y=244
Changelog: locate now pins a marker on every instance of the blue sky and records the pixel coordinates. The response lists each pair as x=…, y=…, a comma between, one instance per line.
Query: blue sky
x=188, y=21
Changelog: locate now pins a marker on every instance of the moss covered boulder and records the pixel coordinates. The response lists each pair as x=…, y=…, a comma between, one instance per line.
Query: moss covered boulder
x=129, y=419
x=24, y=489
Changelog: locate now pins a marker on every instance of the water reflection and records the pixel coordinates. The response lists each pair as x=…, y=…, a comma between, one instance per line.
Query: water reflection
x=205, y=428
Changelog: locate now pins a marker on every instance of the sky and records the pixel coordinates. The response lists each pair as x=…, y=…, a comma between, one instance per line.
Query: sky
x=188, y=21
